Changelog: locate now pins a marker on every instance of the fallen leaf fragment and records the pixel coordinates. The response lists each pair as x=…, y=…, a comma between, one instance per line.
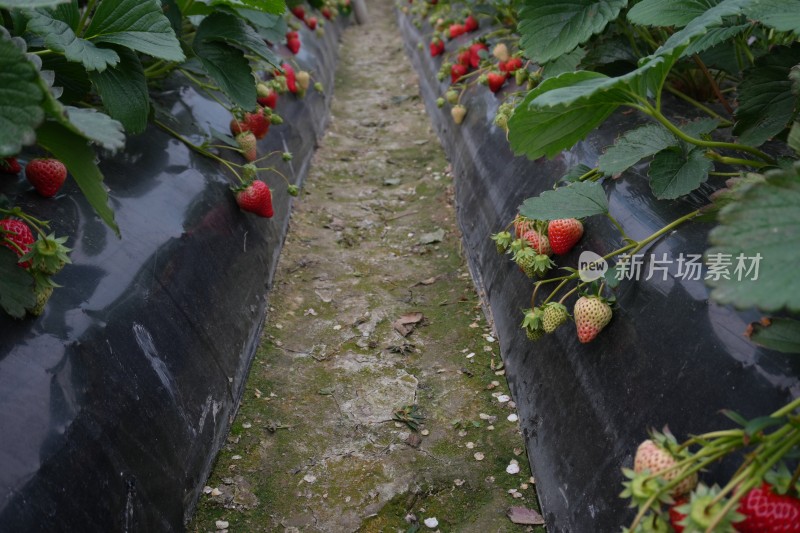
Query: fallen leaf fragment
x=406, y=323
x=524, y=516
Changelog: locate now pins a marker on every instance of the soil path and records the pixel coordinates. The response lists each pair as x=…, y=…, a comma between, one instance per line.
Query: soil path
x=346, y=425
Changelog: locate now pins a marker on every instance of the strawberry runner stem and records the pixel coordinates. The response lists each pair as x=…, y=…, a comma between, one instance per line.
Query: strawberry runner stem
x=198, y=149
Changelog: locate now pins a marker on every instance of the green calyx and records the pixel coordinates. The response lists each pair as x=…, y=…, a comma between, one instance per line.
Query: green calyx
x=48, y=255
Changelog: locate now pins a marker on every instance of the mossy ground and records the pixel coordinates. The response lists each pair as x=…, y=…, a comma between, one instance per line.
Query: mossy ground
x=314, y=446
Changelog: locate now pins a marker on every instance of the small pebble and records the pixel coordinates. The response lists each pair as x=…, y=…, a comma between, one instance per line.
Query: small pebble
x=236, y=457
x=489, y=338
x=512, y=417
x=490, y=428
x=207, y=490
x=470, y=445
x=479, y=456
x=484, y=416
x=216, y=492
x=462, y=433
x=431, y=522
x=221, y=524
x=247, y=425
x=308, y=478
x=503, y=398
x=470, y=355
x=425, y=432
x=337, y=327
x=524, y=486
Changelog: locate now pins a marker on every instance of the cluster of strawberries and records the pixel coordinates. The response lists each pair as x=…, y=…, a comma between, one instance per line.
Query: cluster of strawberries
x=532, y=245
x=763, y=509
x=248, y=128
x=44, y=255
x=474, y=58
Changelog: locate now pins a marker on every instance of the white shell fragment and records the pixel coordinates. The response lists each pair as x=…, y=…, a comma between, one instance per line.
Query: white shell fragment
x=431, y=522
x=513, y=467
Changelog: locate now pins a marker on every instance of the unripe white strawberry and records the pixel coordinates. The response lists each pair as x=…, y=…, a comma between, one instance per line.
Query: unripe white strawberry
x=650, y=456
x=500, y=51
x=303, y=79
x=458, y=113
x=592, y=314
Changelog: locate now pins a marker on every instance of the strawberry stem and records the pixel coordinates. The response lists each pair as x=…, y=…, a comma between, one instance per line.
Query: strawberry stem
x=198, y=149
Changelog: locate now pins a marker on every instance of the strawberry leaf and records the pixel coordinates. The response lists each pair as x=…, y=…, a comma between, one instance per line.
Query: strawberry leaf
x=634, y=146
x=95, y=126
x=274, y=7
x=123, y=90
x=30, y=4
x=781, y=334
x=550, y=29
x=230, y=69
x=136, y=24
x=675, y=172
x=230, y=29
x=700, y=25
x=676, y=13
x=72, y=150
x=59, y=37
x=21, y=98
x=759, y=233
x=766, y=101
x=578, y=200
x=564, y=63
x=778, y=14
x=16, y=285
x=271, y=27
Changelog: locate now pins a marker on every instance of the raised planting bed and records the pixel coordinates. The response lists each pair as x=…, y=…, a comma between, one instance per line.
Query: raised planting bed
x=115, y=401
x=670, y=355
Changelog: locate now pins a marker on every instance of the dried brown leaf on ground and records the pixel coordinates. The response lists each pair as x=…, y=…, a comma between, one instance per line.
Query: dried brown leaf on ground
x=406, y=323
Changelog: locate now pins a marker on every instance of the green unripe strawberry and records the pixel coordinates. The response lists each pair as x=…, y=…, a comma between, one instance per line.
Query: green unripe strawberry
x=502, y=240
x=318, y=87
x=440, y=102
x=287, y=156
x=451, y=97
x=553, y=316
x=532, y=324
x=293, y=190
x=275, y=119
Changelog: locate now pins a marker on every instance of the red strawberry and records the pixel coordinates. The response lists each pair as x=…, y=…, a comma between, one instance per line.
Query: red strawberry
x=291, y=79
x=293, y=45
x=456, y=30
x=311, y=22
x=564, y=233
x=675, y=516
x=592, y=314
x=10, y=165
x=256, y=198
x=511, y=66
x=299, y=12
x=437, y=47
x=463, y=58
x=46, y=175
x=237, y=127
x=267, y=96
x=470, y=24
x=768, y=512
x=18, y=232
x=326, y=12
x=649, y=456
x=247, y=144
x=474, y=51
x=538, y=242
x=456, y=71
x=291, y=34
x=496, y=81
x=257, y=122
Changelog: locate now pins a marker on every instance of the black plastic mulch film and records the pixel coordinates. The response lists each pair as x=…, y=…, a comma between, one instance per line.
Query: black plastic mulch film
x=669, y=356
x=114, y=403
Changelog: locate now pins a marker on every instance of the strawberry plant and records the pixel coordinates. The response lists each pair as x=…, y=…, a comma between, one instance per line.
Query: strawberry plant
x=77, y=78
